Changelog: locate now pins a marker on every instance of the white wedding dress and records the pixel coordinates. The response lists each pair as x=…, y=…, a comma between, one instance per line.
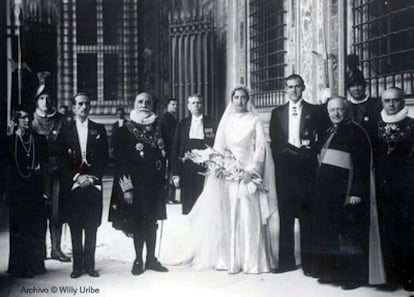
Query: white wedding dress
x=229, y=221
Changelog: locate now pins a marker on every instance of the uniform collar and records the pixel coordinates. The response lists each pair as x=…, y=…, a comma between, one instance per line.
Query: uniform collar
x=353, y=101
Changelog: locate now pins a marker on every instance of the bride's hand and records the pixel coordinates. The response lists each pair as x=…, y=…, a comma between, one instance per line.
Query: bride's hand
x=247, y=177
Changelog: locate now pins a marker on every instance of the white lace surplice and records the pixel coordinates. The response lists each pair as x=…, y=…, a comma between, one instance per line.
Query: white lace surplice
x=226, y=220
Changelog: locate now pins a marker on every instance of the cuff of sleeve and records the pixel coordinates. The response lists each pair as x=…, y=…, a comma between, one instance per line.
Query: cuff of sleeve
x=125, y=183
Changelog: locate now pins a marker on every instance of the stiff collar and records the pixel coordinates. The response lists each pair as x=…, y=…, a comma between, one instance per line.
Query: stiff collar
x=353, y=101
x=399, y=116
x=197, y=119
x=135, y=117
x=298, y=103
x=80, y=124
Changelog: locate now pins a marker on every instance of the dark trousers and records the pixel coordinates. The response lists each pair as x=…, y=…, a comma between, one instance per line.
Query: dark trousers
x=83, y=254
x=288, y=213
x=145, y=232
x=53, y=213
x=295, y=197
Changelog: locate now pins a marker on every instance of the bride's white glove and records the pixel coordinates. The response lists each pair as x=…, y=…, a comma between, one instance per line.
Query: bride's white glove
x=247, y=176
x=251, y=188
x=246, y=190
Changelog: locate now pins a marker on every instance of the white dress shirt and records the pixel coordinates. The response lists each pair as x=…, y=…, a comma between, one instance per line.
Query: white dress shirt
x=196, y=127
x=82, y=129
x=120, y=122
x=295, y=112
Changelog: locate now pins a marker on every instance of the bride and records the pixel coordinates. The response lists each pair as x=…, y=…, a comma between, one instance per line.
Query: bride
x=231, y=221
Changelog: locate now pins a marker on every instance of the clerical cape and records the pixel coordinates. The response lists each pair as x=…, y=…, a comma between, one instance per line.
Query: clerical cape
x=345, y=236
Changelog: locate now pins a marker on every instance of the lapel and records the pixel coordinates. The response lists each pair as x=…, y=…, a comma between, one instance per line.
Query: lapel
x=206, y=123
x=75, y=137
x=90, y=139
x=187, y=128
x=284, y=120
x=304, y=115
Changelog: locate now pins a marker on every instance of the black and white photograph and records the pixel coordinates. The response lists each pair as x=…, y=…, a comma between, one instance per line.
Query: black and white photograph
x=227, y=148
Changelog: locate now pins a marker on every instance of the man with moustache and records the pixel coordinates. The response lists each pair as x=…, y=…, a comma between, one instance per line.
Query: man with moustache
x=294, y=130
x=82, y=162
x=194, y=132
x=137, y=201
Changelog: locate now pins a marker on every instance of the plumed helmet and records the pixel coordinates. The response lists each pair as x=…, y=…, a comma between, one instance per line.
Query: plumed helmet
x=44, y=84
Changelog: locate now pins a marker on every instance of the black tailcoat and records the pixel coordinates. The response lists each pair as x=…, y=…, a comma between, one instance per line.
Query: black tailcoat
x=168, y=126
x=191, y=181
x=295, y=173
x=83, y=209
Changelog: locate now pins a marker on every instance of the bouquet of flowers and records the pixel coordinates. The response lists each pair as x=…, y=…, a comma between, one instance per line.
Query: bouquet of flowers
x=222, y=165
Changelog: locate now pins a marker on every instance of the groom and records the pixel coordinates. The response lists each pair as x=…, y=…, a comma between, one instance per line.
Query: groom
x=294, y=133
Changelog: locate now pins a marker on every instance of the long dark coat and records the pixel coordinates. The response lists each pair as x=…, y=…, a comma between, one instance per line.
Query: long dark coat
x=340, y=230
x=394, y=164
x=24, y=198
x=141, y=159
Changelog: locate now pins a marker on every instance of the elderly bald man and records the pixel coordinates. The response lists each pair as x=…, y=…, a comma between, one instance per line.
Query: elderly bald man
x=343, y=204
x=394, y=166
x=137, y=201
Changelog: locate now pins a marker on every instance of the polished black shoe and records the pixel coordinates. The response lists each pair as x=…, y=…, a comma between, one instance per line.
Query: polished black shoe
x=156, y=266
x=93, y=273
x=324, y=280
x=60, y=256
x=350, y=285
x=76, y=273
x=137, y=268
